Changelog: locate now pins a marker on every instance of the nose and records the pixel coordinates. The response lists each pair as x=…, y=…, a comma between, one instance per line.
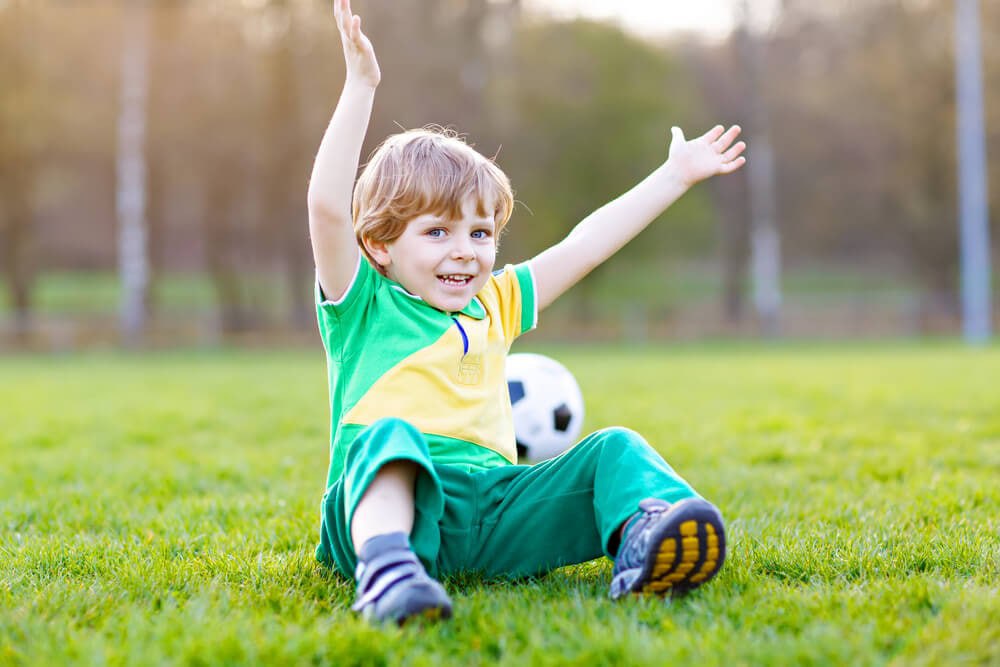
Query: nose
x=463, y=249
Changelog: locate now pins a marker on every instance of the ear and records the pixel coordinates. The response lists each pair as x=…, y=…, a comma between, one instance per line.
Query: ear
x=379, y=251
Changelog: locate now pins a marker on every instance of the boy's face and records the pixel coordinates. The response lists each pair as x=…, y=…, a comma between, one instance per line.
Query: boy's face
x=445, y=262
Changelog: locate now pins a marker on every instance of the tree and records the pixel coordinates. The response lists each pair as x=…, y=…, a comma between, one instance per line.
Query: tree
x=133, y=259
x=765, y=240
x=594, y=116
x=21, y=120
x=973, y=202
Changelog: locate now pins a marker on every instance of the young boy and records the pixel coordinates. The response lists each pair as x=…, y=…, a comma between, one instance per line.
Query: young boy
x=416, y=324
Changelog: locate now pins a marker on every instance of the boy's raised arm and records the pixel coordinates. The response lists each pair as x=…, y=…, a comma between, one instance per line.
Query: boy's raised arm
x=335, y=249
x=604, y=232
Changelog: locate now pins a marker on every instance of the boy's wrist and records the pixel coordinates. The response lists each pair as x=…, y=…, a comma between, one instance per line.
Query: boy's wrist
x=359, y=83
x=671, y=178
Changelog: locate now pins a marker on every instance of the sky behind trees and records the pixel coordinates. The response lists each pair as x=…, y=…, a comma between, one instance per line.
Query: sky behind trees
x=657, y=18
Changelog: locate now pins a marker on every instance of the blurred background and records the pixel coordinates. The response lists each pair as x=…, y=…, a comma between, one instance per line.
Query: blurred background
x=154, y=159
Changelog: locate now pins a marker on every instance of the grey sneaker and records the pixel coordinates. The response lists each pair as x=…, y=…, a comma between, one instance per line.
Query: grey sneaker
x=394, y=586
x=669, y=549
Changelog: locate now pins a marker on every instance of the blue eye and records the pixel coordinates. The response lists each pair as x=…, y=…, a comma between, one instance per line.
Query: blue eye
x=435, y=233
x=480, y=234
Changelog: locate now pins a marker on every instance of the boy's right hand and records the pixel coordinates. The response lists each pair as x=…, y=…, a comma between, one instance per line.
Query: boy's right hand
x=359, y=55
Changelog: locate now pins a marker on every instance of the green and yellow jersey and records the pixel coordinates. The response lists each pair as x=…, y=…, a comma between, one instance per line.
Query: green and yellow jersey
x=391, y=354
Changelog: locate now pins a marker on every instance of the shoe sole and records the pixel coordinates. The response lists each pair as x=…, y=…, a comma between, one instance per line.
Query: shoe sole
x=686, y=550
x=427, y=601
x=429, y=615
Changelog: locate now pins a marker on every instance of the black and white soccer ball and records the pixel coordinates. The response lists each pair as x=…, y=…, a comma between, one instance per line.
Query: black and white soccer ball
x=547, y=404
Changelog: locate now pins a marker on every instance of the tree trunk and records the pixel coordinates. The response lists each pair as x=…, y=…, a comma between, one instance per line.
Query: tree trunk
x=219, y=203
x=283, y=194
x=164, y=30
x=18, y=255
x=18, y=169
x=733, y=244
x=133, y=260
x=972, y=182
x=765, y=241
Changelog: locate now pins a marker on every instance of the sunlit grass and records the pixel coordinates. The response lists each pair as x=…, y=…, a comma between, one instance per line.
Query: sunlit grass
x=163, y=510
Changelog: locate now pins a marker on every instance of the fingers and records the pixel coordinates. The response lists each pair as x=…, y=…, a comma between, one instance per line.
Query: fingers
x=677, y=134
x=712, y=135
x=723, y=141
x=719, y=137
x=348, y=22
x=342, y=13
x=732, y=158
x=350, y=25
x=734, y=152
x=730, y=167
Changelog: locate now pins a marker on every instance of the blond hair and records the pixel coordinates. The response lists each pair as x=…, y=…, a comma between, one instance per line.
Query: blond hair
x=426, y=171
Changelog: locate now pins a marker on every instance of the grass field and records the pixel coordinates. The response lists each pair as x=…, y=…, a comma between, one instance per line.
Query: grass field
x=163, y=509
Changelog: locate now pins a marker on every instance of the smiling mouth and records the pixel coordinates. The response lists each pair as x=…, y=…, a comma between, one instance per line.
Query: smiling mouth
x=455, y=279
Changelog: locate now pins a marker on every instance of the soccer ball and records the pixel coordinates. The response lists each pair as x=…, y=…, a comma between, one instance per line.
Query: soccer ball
x=547, y=404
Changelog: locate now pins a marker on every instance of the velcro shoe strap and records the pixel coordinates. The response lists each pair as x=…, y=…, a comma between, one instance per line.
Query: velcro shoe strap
x=372, y=569
x=377, y=575
x=387, y=580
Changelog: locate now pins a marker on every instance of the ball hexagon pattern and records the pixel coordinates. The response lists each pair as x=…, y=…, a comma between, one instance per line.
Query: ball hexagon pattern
x=547, y=405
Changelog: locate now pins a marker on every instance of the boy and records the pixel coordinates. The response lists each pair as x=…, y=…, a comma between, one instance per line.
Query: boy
x=423, y=478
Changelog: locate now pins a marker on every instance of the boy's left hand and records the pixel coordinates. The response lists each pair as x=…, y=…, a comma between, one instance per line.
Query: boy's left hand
x=359, y=54
x=710, y=154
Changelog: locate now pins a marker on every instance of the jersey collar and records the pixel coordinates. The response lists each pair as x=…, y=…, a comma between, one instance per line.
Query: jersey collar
x=473, y=309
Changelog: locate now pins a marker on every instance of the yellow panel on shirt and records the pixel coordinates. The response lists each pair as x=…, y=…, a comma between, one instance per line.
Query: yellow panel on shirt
x=441, y=372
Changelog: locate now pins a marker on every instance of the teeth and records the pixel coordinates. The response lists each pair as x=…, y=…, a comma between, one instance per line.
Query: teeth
x=456, y=279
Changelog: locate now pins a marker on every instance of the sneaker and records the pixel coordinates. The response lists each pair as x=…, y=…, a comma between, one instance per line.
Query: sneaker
x=393, y=584
x=669, y=549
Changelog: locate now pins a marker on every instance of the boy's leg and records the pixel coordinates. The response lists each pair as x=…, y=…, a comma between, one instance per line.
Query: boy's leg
x=569, y=509
x=387, y=504
x=374, y=530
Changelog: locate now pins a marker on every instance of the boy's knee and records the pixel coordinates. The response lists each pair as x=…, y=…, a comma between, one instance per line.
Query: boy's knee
x=621, y=435
x=387, y=442
x=620, y=438
x=616, y=442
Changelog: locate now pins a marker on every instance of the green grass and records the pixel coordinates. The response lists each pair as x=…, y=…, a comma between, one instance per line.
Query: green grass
x=162, y=509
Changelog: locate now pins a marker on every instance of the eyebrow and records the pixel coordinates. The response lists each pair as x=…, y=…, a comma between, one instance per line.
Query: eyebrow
x=436, y=220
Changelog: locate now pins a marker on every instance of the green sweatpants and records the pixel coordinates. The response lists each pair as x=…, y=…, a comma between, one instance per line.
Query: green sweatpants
x=510, y=521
